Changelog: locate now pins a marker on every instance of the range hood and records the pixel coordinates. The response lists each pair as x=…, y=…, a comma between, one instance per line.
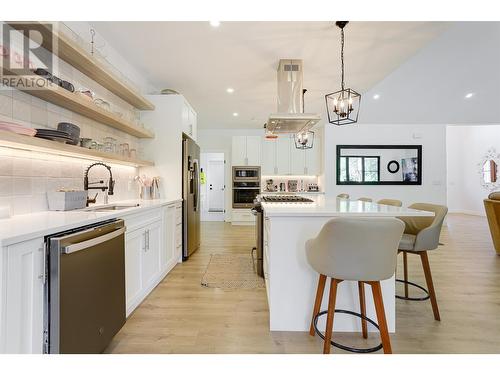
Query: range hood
x=290, y=117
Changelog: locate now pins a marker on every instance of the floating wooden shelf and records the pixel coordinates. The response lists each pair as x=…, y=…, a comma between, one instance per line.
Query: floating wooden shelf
x=82, y=60
x=24, y=142
x=75, y=102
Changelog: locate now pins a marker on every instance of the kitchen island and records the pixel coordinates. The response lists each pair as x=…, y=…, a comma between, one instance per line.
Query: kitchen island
x=290, y=281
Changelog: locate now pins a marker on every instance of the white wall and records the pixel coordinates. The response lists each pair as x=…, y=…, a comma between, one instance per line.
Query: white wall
x=220, y=140
x=466, y=146
x=433, y=141
x=430, y=87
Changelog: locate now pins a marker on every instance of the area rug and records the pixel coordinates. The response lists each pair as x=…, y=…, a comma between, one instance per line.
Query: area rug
x=227, y=271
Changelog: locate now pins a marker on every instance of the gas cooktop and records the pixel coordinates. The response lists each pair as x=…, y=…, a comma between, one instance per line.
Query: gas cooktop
x=285, y=199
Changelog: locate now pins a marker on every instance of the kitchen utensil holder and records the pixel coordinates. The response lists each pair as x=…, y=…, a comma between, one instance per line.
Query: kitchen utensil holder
x=146, y=192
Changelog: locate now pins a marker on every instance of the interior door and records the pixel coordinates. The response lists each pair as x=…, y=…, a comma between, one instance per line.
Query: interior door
x=215, y=182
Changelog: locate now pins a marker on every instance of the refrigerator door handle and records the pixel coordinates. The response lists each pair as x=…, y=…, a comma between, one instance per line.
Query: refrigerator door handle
x=196, y=179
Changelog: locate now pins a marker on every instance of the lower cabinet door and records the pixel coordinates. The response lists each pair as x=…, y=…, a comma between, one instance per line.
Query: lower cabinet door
x=170, y=232
x=151, y=254
x=135, y=243
x=24, y=298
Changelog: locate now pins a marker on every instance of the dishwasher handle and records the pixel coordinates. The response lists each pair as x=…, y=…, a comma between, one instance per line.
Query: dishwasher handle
x=92, y=242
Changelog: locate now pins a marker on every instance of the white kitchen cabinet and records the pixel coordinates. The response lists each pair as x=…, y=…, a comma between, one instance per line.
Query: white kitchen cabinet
x=22, y=296
x=151, y=253
x=239, y=150
x=246, y=150
x=189, y=119
x=297, y=159
x=253, y=150
x=134, y=246
x=313, y=158
x=168, y=254
x=178, y=233
x=268, y=166
x=283, y=155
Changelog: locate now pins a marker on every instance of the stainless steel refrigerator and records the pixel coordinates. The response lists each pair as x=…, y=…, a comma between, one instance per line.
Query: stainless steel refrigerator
x=191, y=196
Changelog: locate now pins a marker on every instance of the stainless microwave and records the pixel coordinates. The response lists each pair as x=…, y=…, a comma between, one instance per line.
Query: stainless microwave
x=247, y=173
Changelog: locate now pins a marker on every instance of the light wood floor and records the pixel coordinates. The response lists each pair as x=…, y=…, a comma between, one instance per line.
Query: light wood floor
x=181, y=316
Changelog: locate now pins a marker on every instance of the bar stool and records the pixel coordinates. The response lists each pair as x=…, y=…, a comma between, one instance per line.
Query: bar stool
x=343, y=196
x=341, y=253
x=421, y=235
x=365, y=199
x=390, y=202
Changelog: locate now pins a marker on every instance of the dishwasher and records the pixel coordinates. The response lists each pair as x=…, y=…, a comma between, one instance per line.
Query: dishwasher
x=85, y=292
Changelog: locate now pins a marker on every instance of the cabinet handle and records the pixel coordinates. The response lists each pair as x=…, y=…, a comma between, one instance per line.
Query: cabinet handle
x=147, y=234
x=145, y=248
x=44, y=262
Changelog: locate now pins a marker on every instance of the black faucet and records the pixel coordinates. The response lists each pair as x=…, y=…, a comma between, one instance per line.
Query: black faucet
x=109, y=188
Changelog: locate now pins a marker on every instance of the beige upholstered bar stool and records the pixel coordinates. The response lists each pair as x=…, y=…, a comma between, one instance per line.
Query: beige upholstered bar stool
x=365, y=199
x=421, y=235
x=339, y=252
x=343, y=196
x=390, y=202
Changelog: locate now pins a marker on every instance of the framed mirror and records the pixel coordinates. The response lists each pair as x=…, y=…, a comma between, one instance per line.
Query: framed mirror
x=379, y=165
x=489, y=170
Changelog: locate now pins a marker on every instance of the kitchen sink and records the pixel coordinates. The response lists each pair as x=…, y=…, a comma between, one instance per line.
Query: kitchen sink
x=111, y=207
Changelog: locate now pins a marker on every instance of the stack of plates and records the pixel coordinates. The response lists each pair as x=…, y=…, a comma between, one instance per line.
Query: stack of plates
x=54, y=135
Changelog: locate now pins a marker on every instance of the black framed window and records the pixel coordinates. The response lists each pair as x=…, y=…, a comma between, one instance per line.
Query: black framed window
x=359, y=169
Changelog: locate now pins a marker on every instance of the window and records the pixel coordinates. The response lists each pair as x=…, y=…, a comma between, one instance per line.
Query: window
x=358, y=169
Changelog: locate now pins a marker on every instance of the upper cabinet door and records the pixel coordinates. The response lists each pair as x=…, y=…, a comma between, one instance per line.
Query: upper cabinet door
x=297, y=159
x=239, y=150
x=283, y=155
x=192, y=123
x=313, y=158
x=268, y=157
x=253, y=150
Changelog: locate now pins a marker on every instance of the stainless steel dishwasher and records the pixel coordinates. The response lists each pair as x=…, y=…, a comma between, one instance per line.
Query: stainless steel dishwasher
x=85, y=294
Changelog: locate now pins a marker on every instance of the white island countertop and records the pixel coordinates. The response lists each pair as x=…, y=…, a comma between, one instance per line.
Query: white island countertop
x=20, y=228
x=336, y=207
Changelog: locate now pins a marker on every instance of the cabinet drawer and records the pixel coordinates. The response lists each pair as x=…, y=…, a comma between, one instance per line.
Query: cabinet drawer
x=135, y=221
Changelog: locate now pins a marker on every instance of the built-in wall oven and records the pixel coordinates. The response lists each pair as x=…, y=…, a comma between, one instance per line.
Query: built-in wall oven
x=246, y=186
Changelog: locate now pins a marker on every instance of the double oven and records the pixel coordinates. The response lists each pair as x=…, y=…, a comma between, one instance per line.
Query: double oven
x=246, y=186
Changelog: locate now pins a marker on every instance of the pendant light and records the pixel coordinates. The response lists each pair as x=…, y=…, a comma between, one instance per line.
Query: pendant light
x=304, y=140
x=342, y=106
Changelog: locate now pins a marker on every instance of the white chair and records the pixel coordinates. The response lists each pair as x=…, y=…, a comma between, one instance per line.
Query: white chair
x=362, y=250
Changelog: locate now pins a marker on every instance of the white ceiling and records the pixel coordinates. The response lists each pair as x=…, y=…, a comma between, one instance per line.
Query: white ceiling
x=201, y=61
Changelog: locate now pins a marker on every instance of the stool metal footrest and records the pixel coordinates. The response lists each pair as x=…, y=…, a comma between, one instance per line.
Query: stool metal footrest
x=344, y=347
x=427, y=296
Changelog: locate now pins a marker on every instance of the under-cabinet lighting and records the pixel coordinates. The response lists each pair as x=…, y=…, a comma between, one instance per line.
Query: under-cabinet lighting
x=215, y=23
x=40, y=150
x=376, y=96
x=235, y=114
x=469, y=95
x=229, y=90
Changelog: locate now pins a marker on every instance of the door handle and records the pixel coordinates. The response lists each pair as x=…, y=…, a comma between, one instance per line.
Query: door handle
x=92, y=242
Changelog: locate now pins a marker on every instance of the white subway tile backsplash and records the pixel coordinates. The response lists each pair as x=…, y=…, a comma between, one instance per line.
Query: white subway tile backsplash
x=21, y=167
x=21, y=206
x=5, y=186
x=21, y=110
x=22, y=186
x=5, y=165
x=5, y=105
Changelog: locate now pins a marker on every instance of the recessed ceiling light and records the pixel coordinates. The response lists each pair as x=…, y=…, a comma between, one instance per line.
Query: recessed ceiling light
x=376, y=96
x=215, y=23
x=230, y=90
x=469, y=95
x=235, y=114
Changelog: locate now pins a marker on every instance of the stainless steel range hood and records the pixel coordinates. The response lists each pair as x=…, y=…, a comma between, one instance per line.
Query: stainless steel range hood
x=290, y=117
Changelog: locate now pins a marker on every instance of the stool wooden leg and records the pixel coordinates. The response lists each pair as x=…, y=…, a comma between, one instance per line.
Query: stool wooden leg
x=405, y=271
x=317, y=302
x=362, y=308
x=379, y=308
x=430, y=285
x=329, y=319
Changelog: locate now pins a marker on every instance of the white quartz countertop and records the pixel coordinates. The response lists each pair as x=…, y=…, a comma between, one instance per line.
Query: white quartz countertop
x=263, y=192
x=336, y=207
x=29, y=226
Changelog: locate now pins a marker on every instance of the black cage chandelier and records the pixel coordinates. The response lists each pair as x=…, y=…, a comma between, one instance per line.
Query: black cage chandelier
x=343, y=105
x=304, y=140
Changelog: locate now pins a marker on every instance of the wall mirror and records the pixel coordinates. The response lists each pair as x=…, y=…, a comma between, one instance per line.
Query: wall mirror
x=489, y=170
x=379, y=165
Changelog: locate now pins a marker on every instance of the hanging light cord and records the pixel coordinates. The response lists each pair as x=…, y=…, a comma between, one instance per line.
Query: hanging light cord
x=342, y=54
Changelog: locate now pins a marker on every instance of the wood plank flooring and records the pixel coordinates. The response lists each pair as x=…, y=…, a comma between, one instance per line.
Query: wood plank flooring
x=181, y=316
